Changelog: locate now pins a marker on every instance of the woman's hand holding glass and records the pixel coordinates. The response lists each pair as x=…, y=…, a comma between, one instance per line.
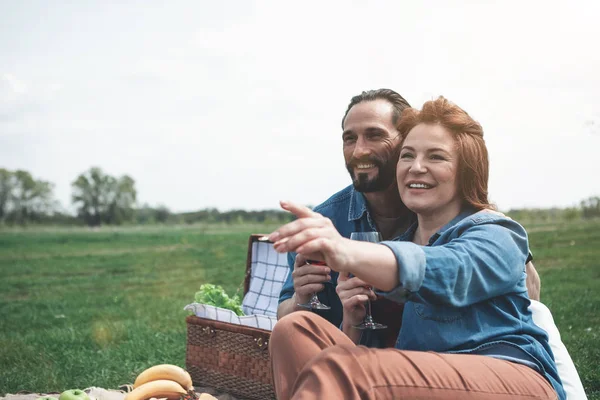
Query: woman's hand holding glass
x=354, y=294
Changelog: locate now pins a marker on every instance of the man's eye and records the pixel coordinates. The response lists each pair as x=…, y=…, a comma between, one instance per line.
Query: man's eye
x=348, y=139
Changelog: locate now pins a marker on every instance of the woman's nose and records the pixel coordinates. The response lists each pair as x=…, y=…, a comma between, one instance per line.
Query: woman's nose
x=417, y=167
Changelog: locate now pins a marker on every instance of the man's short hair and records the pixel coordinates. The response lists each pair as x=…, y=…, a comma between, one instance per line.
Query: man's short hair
x=397, y=101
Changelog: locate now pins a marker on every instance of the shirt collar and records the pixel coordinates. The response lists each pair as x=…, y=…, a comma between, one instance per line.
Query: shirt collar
x=358, y=205
x=408, y=235
x=462, y=215
x=410, y=232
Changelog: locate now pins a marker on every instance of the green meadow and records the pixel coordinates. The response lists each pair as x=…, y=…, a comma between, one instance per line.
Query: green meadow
x=81, y=308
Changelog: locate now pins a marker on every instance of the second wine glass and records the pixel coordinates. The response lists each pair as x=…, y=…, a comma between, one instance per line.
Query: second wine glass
x=368, y=323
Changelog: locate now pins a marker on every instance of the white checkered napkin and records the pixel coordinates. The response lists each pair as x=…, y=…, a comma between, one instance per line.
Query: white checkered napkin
x=224, y=315
x=269, y=271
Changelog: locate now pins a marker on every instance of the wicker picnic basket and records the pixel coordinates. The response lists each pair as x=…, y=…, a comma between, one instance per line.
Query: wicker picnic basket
x=229, y=357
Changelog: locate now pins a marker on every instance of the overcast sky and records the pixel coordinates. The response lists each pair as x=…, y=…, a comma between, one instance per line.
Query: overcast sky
x=238, y=104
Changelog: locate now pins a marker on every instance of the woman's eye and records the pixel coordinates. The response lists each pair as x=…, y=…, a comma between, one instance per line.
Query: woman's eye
x=406, y=155
x=437, y=157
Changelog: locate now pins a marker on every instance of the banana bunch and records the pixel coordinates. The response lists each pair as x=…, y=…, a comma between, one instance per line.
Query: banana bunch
x=162, y=381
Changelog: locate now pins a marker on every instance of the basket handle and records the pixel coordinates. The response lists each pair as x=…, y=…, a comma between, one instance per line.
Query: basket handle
x=262, y=344
x=208, y=331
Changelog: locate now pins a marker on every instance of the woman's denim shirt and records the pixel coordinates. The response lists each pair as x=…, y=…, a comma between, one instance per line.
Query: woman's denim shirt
x=465, y=292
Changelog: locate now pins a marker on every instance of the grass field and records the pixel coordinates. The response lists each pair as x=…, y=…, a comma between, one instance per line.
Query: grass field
x=81, y=308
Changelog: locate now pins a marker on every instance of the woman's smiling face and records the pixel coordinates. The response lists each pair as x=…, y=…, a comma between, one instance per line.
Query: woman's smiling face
x=427, y=170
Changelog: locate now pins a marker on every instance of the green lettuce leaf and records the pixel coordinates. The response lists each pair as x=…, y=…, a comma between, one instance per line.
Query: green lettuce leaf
x=215, y=295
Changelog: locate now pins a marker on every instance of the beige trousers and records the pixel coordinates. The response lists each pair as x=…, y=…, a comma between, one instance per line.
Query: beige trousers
x=312, y=359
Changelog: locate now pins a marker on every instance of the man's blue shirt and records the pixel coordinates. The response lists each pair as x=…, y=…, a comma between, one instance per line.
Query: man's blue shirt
x=465, y=292
x=348, y=211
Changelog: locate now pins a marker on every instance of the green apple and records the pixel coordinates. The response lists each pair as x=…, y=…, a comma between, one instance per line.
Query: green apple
x=74, y=394
x=47, y=398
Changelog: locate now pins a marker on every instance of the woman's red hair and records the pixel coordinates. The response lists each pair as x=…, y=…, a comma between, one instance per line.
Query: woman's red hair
x=473, y=166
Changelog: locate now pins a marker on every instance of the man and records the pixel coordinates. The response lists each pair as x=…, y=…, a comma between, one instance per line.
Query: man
x=372, y=203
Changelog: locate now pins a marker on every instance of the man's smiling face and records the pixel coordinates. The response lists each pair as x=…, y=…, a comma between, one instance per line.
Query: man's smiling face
x=371, y=143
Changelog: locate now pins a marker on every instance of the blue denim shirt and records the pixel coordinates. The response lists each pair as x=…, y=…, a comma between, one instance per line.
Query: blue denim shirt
x=348, y=211
x=465, y=293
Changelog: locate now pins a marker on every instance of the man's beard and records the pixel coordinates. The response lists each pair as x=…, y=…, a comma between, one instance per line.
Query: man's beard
x=386, y=174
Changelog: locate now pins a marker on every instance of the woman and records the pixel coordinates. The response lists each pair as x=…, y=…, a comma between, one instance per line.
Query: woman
x=466, y=330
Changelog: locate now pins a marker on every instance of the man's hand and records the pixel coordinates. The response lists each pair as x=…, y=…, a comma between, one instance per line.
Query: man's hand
x=533, y=282
x=308, y=278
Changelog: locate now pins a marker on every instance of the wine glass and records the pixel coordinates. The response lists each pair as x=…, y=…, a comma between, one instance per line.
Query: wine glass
x=314, y=303
x=368, y=323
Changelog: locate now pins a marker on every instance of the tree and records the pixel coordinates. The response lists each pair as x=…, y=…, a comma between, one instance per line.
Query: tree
x=591, y=207
x=162, y=214
x=32, y=197
x=572, y=213
x=6, y=188
x=101, y=198
x=23, y=198
x=121, y=201
x=148, y=215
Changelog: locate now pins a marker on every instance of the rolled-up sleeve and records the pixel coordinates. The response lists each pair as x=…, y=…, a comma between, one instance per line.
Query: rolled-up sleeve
x=411, y=269
x=485, y=261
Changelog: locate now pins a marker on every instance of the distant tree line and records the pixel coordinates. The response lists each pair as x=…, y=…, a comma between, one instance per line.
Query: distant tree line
x=102, y=199
x=236, y=216
x=588, y=208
